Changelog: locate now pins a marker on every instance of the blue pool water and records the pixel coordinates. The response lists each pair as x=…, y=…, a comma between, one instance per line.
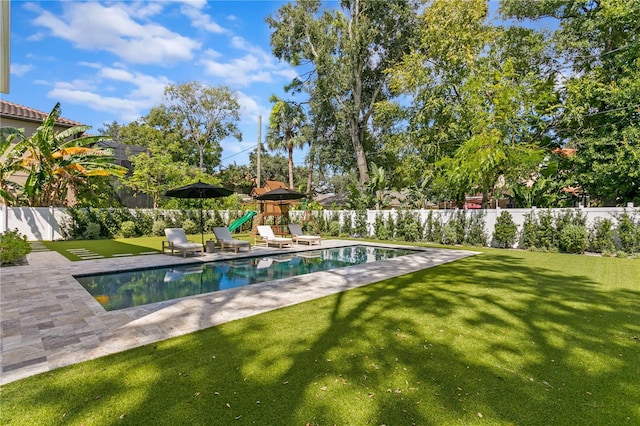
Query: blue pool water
x=121, y=290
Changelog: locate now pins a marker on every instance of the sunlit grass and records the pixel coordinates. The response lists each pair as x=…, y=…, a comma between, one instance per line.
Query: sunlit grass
x=505, y=337
x=120, y=246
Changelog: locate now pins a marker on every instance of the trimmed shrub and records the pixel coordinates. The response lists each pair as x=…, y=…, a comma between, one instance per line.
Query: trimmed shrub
x=13, y=247
x=128, y=229
x=334, y=228
x=476, y=235
x=382, y=231
x=92, y=231
x=529, y=234
x=347, y=224
x=546, y=238
x=448, y=234
x=189, y=226
x=573, y=239
x=505, y=231
x=627, y=233
x=144, y=223
x=601, y=236
x=158, y=227
x=360, y=225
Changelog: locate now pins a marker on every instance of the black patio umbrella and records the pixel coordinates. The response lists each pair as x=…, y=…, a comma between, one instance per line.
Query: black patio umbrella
x=199, y=190
x=280, y=194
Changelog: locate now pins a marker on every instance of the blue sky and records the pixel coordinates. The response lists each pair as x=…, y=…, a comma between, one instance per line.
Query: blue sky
x=106, y=61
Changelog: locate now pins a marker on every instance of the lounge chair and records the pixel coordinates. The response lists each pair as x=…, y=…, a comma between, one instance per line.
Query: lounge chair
x=267, y=237
x=223, y=235
x=298, y=237
x=177, y=241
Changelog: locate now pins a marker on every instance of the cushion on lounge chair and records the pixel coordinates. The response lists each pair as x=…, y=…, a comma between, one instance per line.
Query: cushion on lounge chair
x=299, y=237
x=223, y=235
x=177, y=241
x=266, y=233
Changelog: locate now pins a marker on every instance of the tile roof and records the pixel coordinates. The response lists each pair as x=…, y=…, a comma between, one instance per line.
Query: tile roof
x=19, y=112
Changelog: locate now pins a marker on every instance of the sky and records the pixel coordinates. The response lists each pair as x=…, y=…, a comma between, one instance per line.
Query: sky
x=110, y=60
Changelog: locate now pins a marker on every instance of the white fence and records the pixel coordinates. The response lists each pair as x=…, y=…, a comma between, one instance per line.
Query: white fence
x=44, y=223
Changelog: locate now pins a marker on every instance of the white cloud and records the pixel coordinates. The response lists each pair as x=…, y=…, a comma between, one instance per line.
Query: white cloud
x=140, y=92
x=93, y=26
x=19, y=69
x=257, y=65
x=199, y=19
x=241, y=72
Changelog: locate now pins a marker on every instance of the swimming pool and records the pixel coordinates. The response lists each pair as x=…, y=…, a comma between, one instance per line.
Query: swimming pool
x=137, y=287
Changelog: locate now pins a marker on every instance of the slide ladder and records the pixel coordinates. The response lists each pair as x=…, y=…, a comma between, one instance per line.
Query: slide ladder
x=238, y=222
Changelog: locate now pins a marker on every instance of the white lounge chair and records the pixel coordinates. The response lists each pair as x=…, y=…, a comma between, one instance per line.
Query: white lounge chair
x=298, y=237
x=267, y=237
x=223, y=235
x=177, y=241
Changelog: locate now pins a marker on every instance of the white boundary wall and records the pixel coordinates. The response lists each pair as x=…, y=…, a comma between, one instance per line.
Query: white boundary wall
x=44, y=223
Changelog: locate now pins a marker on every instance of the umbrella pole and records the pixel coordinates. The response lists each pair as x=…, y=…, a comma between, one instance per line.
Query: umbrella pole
x=201, y=224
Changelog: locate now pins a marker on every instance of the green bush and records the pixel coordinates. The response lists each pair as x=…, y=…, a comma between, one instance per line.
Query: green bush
x=380, y=228
x=601, y=236
x=334, y=228
x=546, y=234
x=628, y=234
x=128, y=229
x=144, y=223
x=13, y=247
x=92, y=231
x=448, y=234
x=476, y=235
x=460, y=224
x=189, y=226
x=573, y=239
x=529, y=235
x=505, y=231
x=158, y=227
x=347, y=224
x=360, y=224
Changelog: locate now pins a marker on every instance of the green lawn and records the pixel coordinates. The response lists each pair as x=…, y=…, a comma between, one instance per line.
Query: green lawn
x=505, y=337
x=108, y=248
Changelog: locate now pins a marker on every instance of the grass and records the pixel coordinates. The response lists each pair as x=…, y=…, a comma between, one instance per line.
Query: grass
x=505, y=337
x=119, y=246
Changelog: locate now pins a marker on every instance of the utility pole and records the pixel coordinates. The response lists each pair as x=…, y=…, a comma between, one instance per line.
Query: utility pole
x=258, y=149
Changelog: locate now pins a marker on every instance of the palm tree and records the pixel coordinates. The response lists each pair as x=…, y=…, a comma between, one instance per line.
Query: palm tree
x=286, y=125
x=57, y=162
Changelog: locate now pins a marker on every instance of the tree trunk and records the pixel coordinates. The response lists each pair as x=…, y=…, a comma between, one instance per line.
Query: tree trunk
x=291, y=167
x=358, y=148
x=310, y=176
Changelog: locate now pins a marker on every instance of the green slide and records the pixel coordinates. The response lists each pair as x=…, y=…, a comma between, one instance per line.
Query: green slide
x=238, y=222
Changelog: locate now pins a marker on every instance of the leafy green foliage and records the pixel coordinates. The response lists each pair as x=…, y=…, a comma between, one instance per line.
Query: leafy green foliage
x=128, y=229
x=505, y=230
x=573, y=239
x=13, y=247
x=56, y=163
x=601, y=236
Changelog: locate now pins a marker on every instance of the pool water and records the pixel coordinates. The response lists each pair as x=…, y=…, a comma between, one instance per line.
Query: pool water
x=121, y=290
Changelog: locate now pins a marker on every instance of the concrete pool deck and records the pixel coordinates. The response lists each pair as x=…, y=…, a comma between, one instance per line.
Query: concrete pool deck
x=48, y=320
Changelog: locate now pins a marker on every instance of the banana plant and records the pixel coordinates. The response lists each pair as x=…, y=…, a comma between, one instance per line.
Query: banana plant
x=57, y=162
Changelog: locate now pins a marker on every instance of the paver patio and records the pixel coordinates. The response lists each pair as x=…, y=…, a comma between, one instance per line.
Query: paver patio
x=48, y=320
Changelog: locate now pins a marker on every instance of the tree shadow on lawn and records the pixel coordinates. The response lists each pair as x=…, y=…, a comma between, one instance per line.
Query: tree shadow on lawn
x=493, y=338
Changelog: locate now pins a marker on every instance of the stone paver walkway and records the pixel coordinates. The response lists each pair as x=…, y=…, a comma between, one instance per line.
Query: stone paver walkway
x=48, y=320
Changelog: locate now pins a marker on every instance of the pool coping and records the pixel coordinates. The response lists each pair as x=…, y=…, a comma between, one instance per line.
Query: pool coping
x=48, y=320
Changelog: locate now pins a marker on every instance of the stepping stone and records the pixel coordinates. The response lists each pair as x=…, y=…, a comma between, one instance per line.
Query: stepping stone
x=123, y=255
x=149, y=252
x=88, y=257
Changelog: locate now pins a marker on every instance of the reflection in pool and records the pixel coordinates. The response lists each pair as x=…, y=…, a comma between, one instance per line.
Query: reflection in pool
x=143, y=286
